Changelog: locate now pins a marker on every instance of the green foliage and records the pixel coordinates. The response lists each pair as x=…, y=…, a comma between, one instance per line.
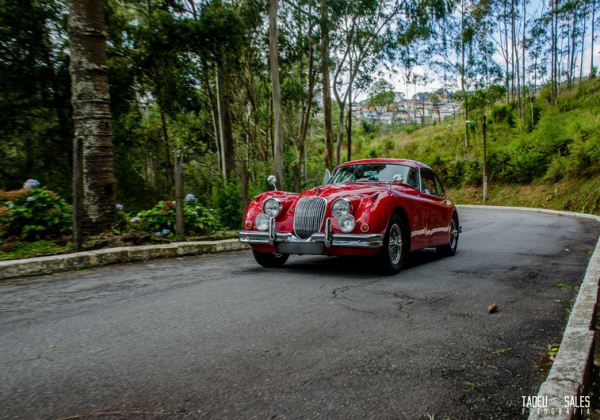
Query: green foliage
x=227, y=198
x=381, y=94
x=563, y=142
x=34, y=214
x=160, y=220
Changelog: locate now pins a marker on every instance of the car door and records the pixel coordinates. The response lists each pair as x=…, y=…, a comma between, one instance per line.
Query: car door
x=444, y=216
x=417, y=211
x=435, y=225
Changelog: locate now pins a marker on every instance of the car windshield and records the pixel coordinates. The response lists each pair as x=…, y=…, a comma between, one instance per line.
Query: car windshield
x=370, y=172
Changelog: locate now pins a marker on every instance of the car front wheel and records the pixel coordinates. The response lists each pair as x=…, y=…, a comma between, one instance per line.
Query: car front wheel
x=270, y=259
x=389, y=258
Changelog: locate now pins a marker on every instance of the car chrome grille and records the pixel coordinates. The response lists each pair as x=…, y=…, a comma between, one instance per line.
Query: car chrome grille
x=309, y=215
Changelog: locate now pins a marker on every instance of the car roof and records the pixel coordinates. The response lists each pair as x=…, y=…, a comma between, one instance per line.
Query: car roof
x=408, y=162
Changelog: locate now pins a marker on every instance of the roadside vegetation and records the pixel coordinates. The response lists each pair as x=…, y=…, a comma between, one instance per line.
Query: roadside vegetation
x=552, y=161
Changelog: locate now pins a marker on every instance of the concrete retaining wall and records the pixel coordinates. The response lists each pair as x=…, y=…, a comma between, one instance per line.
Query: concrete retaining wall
x=81, y=260
x=570, y=371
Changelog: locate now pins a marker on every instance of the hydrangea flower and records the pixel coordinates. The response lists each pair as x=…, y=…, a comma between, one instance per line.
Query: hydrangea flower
x=166, y=232
x=31, y=183
x=174, y=202
x=157, y=234
x=190, y=197
x=11, y=206
x=135, y=220
x=30, y=199
x=119, y=207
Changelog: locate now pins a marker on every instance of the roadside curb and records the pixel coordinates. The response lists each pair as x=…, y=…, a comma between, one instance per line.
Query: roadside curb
x=81, y=260
x=570, y=371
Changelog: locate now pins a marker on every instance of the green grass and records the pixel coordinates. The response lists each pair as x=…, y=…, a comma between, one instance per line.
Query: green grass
x=19, y=250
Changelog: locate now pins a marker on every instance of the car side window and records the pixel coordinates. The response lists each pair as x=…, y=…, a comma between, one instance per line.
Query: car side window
x=428, y=182
x=413, y=178
x=438, y=185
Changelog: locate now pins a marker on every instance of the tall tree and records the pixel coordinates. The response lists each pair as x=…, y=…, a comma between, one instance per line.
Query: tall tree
x=276, y=89
x=91, y=112
x=326, y=86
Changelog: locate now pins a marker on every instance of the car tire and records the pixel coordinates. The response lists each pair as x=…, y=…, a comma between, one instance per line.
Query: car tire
x=388, y=260
x=270, y=259
x=450, y=249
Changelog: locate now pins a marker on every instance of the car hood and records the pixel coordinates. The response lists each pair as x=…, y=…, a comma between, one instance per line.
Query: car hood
x=348, y=190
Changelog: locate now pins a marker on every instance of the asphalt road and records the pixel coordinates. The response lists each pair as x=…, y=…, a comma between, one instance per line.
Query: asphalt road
x=221, y=337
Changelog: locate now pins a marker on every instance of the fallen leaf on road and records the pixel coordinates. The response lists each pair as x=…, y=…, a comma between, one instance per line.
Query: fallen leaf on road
x=53, y=346
x=493, y=307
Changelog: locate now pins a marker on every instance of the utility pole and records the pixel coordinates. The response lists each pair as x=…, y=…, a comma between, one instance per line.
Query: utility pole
x=483, y=126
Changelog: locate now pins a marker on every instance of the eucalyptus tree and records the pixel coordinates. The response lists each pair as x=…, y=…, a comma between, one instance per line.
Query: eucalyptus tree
x=91, y=115
x=456, y=46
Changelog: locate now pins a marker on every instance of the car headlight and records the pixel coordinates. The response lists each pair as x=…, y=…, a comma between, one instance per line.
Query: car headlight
x=340, y=207
x=346, y=223
x=262, y=222
x=272, y=207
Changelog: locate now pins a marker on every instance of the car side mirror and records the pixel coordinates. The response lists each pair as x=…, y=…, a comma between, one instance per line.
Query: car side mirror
x=326, y=176
x=273, y=181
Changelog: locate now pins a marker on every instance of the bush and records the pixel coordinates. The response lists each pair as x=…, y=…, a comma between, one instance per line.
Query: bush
x=33, y=213
x=372, y=153
x=227, y=197
x=160, y=220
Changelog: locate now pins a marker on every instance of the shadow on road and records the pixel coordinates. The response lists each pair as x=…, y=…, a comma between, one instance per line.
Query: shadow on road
x=353, y=265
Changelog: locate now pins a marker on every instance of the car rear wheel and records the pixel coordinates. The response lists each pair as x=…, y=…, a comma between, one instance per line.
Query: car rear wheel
x=389, y=258
x=450, y=249
x=270, y=259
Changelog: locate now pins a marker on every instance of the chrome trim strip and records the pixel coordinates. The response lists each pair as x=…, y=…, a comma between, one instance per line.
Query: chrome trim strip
x=272, y=231
x=328, y=233
x=342, y=240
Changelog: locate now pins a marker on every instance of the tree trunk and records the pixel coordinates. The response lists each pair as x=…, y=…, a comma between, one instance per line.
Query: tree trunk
x=91, y=112
x=573, y=47
x=585, y=4
x=179, y=222
x=593, y=35
x=276, y=91
x=462, y=68
x=167, y=148
x=523, y=75
x=507, y=58
x=349, y=132
x=340, y=137
x=227, y=146
x=327, y=109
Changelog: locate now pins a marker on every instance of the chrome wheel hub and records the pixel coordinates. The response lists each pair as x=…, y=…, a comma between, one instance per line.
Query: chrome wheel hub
x=453, y=234
x=395, y=244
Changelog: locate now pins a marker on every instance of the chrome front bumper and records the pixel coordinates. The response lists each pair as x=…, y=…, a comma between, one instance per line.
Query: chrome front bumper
x=291, y=243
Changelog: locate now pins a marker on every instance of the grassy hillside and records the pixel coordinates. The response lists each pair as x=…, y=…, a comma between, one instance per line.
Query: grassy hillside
x=554, y=162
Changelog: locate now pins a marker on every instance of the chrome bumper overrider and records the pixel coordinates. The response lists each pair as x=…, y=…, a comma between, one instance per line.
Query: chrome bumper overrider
x=328, y=239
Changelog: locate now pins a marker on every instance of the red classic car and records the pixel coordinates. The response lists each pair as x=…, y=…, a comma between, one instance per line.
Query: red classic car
x=382, y=208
